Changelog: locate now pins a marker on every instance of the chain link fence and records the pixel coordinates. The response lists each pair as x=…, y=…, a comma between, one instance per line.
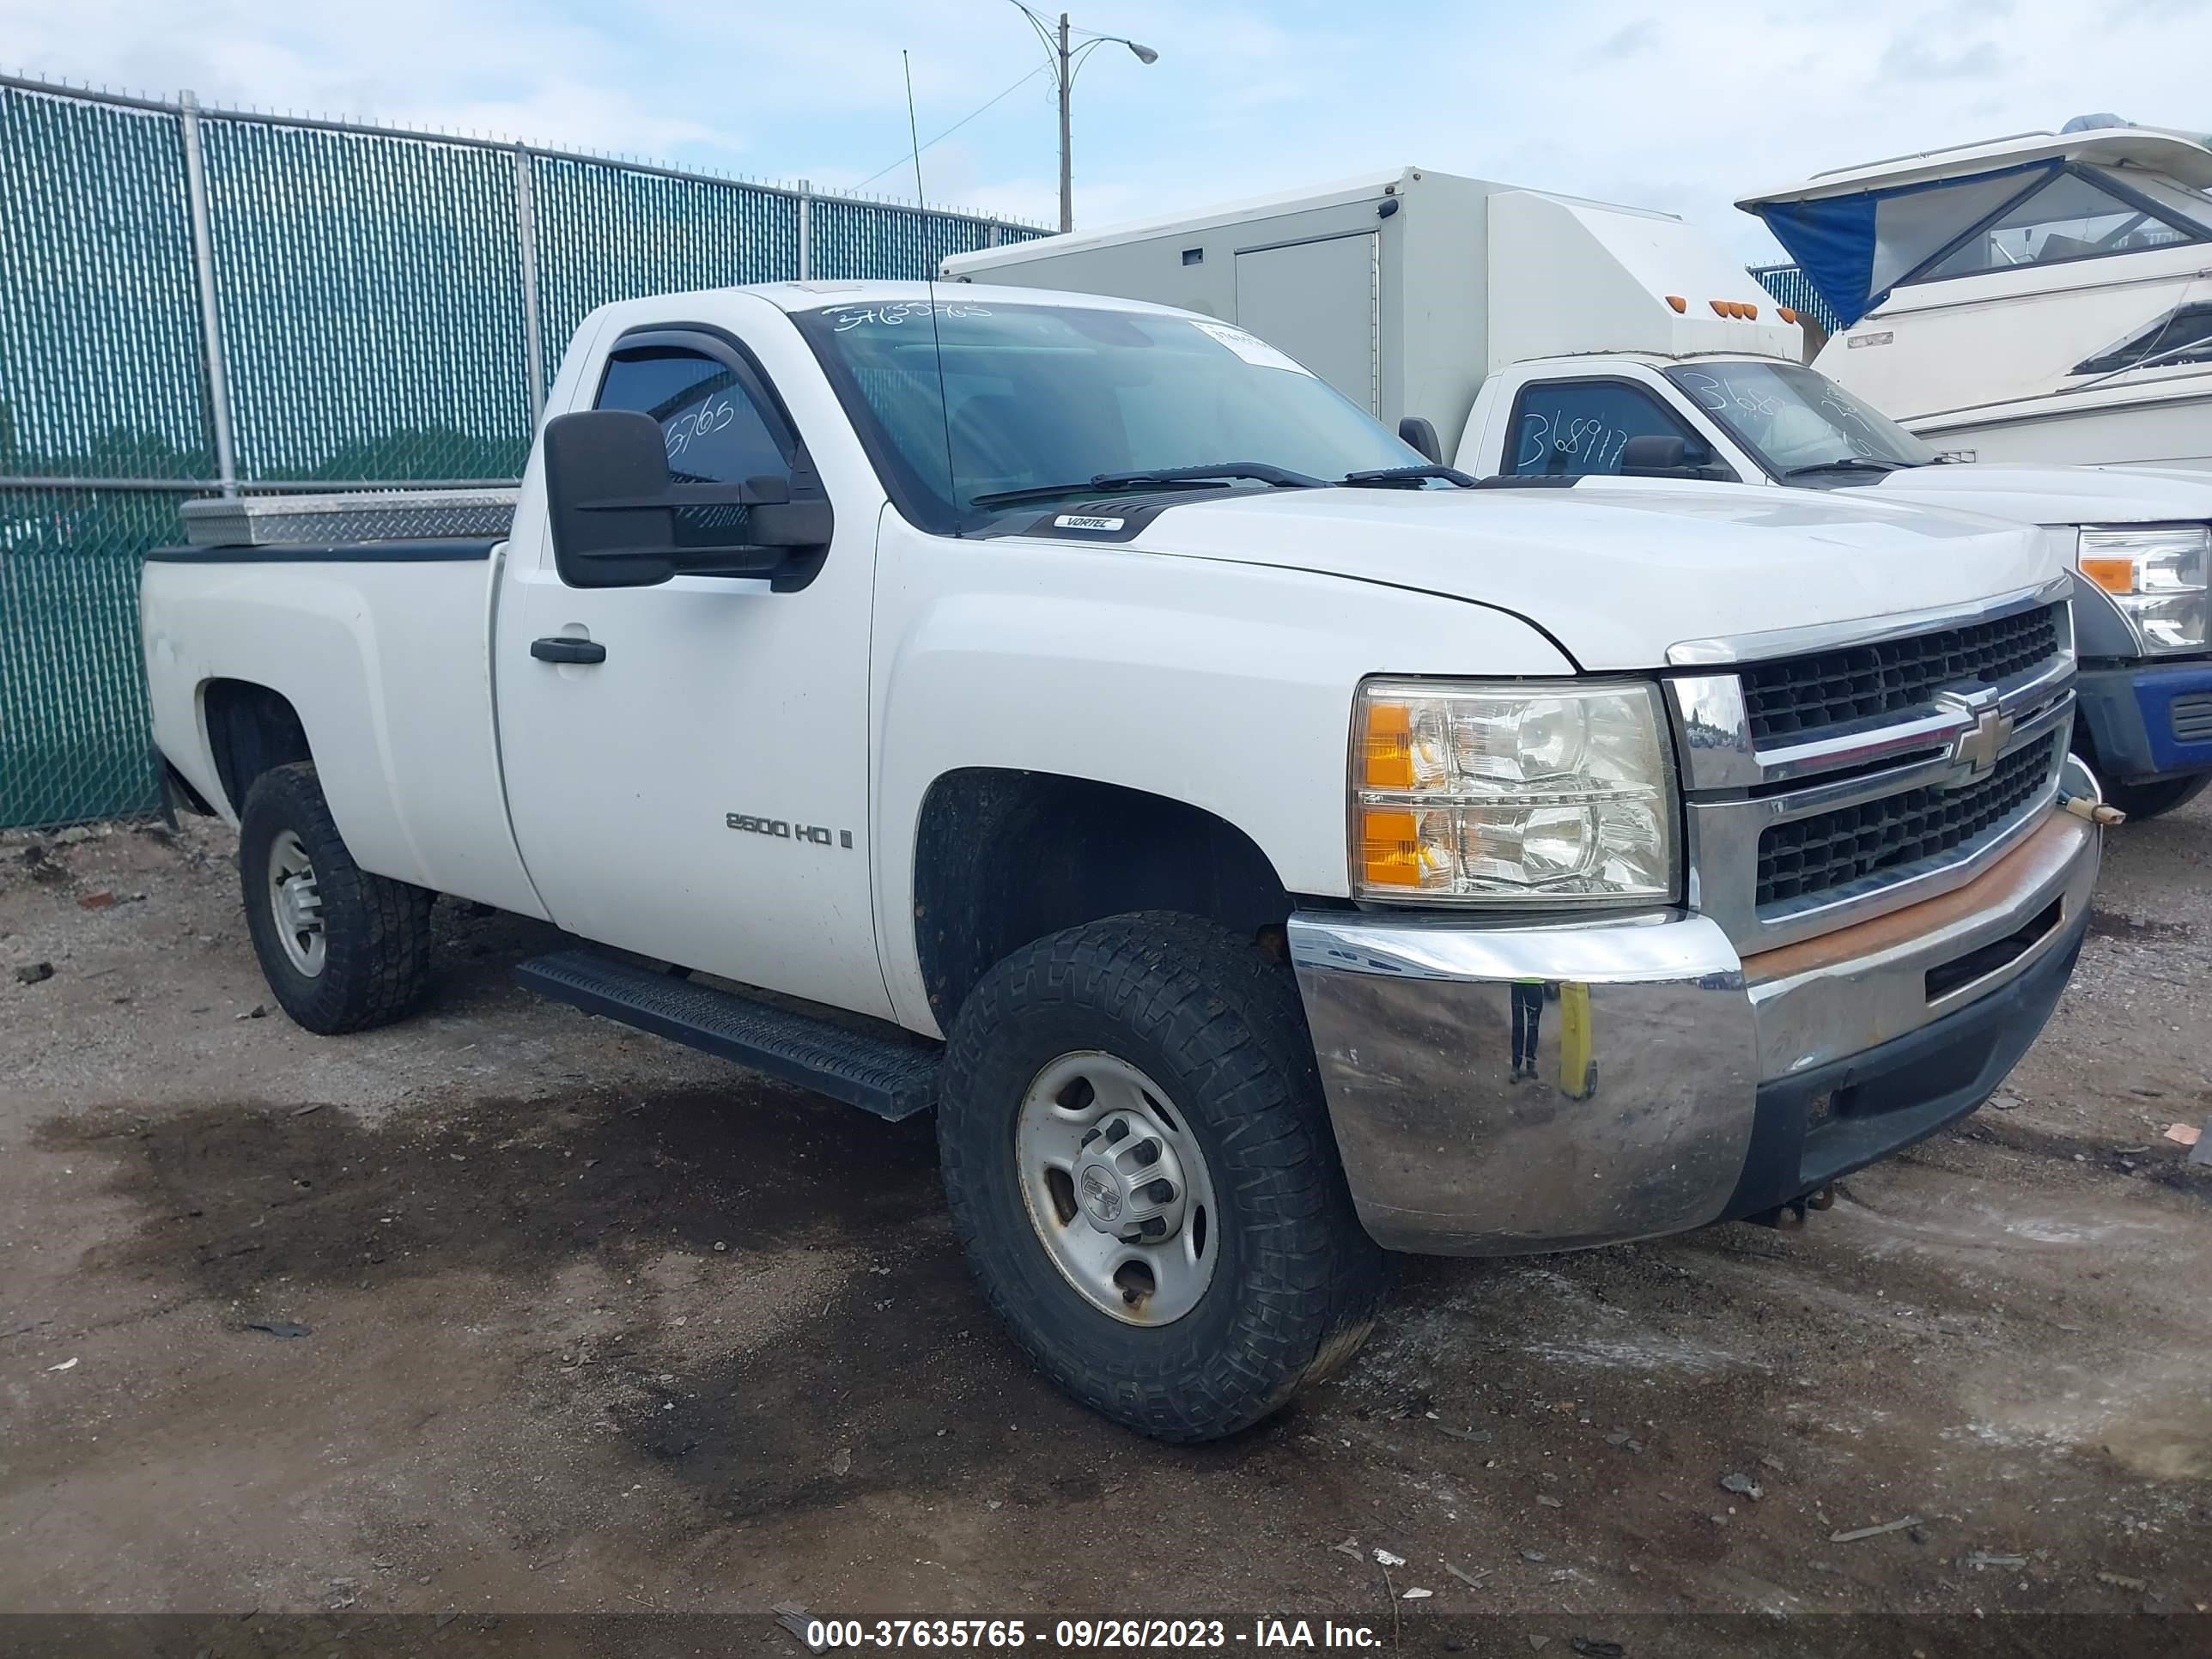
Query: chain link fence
x=193, y=301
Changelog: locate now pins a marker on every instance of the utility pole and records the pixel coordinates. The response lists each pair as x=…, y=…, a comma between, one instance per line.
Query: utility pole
x=1067, y=55
x=1066, y=131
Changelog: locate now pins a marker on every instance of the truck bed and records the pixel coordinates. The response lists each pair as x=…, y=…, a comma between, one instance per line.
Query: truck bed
x=381, y=648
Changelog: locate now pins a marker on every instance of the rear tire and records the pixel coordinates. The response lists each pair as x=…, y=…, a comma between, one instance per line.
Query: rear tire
x=1184, y=1031
x=2151, y=800
x=342, y=949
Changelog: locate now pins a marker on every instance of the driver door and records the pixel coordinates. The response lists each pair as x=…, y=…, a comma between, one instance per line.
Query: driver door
x=696, y=791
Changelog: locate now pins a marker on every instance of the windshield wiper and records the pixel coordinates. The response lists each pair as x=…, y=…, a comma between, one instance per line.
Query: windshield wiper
x=1844, y=464
x=1216, y=476
x=1405, y=477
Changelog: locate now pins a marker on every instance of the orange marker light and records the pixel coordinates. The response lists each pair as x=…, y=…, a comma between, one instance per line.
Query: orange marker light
x=2113, y=575
x=1751, y=312
x=1720, y=307
x=1678, y=302
x=1390, y=847
x=1786, y=313
x=1387, y=747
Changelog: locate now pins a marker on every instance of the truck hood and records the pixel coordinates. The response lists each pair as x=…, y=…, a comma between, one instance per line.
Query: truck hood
x=2057, y=495
x=1617, y=571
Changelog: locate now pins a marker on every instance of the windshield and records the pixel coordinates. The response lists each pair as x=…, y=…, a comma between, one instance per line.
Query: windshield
x=2073, y=216
x=1790, y=416
x=1045, y=395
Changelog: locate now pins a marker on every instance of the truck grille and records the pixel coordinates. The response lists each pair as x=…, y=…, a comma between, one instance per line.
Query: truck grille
x=1789, y=699
x=1814, y=858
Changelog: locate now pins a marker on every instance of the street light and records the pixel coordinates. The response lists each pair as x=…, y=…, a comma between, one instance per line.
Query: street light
x=1065, y=64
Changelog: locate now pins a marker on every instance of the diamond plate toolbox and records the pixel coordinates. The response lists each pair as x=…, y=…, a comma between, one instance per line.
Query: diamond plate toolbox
x=359, y=516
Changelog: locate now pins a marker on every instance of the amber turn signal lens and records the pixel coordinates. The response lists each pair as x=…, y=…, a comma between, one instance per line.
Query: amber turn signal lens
x=1390, y=847
x=1387, y=747
x=2113, y=575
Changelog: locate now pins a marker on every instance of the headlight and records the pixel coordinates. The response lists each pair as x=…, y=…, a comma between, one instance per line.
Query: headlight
x=1512, y=793
x=2157, y=576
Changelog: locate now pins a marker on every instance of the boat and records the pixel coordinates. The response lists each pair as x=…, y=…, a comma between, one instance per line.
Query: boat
x=2045, y=297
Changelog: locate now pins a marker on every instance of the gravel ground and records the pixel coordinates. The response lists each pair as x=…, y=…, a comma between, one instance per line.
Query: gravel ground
x=599, y=1324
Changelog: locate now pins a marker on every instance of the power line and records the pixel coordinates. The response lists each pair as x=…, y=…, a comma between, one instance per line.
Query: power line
x=956, y=125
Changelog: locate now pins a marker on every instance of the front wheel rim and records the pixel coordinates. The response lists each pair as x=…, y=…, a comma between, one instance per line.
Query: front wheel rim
x=1117, y=1189
x=295, y=905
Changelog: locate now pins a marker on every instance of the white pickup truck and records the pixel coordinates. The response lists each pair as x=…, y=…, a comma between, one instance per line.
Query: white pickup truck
x=1518, y=331
x=2140, y=540
x=1262, y=850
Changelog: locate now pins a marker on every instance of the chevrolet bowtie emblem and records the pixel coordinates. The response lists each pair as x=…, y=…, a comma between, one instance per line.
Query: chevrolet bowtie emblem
x=1975, y=751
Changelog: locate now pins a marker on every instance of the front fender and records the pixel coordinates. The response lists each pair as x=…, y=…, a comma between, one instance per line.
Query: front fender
x=1225, y=686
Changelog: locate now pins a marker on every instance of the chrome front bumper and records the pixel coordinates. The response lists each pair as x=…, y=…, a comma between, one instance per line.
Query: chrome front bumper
x=1676, y=1083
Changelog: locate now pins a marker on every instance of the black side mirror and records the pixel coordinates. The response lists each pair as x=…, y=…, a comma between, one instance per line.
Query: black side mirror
x=1653, y=452
x=612, y=507
x=1421, y=433
x=1656, y=455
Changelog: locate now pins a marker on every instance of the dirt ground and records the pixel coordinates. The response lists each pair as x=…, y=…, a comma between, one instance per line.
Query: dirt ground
x=599, y=1324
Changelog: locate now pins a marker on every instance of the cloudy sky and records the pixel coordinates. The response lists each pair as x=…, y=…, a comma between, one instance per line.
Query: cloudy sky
x=1678, y=106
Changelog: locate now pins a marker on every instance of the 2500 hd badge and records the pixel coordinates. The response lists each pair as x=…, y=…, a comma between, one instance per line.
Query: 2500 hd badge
x=784, y=830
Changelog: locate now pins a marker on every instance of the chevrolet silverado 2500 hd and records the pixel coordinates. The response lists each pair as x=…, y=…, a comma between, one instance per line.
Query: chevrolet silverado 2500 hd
x=1262, y=850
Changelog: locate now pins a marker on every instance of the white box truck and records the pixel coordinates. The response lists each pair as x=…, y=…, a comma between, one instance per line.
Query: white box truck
x=1525, y=333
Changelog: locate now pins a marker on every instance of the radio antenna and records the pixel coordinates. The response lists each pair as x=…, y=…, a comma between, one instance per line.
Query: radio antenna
x=929, y=281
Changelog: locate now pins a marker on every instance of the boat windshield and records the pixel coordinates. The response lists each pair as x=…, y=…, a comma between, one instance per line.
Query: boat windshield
x=1798, y=421
x=2073, y=215
x=1856, y=248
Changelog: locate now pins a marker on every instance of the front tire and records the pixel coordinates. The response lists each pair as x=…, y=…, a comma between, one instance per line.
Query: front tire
x=342, y=949
x=2151, y=800
x=1140, y=1167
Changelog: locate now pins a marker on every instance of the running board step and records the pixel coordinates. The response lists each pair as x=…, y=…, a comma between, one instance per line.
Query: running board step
x=890, y=1079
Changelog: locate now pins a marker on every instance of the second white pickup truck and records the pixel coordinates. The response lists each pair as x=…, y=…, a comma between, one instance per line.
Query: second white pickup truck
x=1262, y=850
x=1518, y=331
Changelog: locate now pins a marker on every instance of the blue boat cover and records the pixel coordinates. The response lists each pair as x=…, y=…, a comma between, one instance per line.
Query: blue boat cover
x=1854, y=248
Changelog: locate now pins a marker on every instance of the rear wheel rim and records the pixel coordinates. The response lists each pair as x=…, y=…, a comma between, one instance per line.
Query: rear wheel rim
x=1117, y=1189
x=295, y=905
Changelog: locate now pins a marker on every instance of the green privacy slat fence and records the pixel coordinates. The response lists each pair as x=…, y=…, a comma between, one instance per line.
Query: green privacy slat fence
x=373, y=293
x=1789, y=287
x=100, y=342
x=606, y=232
x=872, y=239
x=72, y=702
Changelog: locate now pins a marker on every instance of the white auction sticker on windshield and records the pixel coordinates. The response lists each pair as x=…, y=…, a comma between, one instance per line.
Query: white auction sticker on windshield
x=1250, y=347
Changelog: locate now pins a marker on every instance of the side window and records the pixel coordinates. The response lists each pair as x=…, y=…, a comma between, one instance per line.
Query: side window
x=2183, y=335
x=716, y=430
x=1580, y=425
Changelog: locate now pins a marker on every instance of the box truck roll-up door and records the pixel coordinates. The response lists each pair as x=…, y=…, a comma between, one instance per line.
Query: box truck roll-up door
x=1317, y=300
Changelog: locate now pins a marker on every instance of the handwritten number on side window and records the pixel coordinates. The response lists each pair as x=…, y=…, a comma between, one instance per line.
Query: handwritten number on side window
x=710, y=416
x=1590, y=442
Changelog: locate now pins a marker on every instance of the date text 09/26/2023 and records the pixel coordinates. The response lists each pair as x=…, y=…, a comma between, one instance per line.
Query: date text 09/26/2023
x=1086, y=1635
